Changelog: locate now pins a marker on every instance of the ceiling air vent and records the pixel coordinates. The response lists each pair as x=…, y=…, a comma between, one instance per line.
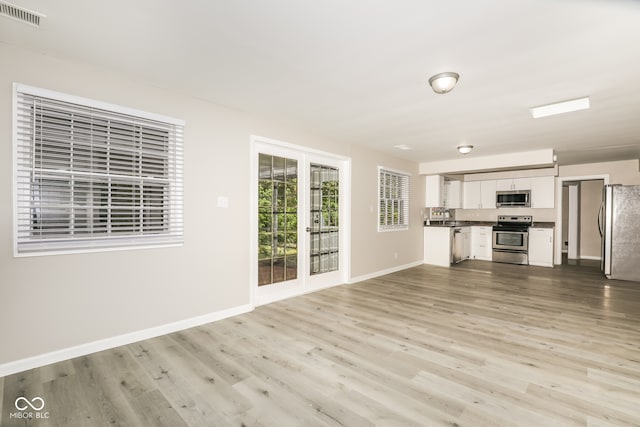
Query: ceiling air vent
x=20, y=14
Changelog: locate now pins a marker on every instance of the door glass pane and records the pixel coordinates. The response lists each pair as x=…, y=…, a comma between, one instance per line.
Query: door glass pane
x=277, y=219
x=324, y=206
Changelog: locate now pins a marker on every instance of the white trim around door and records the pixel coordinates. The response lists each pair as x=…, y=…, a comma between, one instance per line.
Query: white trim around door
x=306, y=279
x=559, y=182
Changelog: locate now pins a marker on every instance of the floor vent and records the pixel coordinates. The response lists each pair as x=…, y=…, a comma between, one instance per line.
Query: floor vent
x=20, y=14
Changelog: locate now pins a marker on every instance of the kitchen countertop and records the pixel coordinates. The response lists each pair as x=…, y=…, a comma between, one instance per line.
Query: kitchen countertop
x=482, y=224
x=461, y=224
x=544, y=224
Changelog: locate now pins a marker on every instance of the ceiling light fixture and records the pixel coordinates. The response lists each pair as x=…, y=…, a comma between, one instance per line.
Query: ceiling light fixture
x=403, y=147
x=444, y=82
x=560, y=107
x=20, y=14
x=464, y=149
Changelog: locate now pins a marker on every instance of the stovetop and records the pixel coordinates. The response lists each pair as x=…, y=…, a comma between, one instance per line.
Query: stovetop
x=513, y=223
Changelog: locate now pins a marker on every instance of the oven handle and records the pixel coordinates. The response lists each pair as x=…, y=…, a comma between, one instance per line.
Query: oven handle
x=511, y=251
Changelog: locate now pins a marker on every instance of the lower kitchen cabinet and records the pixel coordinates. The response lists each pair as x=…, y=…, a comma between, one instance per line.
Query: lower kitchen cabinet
x=541, y=246
x=481, y=243
x=437, y=246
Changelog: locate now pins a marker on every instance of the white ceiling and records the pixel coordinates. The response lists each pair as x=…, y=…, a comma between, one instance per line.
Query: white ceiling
x=357, y=70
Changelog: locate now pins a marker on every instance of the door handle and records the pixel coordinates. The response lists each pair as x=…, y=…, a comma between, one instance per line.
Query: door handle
x=308, y=229
x=600, y=215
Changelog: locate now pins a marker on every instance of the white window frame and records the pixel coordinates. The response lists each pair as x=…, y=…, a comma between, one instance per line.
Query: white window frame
x=169, y=206
x=403, y=200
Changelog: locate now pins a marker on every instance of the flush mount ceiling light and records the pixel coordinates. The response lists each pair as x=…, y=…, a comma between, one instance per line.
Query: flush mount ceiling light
x=464, y=149
x=560, y=107
x=402, y=147
x=444, y=82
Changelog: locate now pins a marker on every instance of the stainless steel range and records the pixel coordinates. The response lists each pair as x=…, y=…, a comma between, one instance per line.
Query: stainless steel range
x=511, y=239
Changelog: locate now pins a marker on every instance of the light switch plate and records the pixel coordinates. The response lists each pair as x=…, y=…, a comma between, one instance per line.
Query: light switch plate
x=223, y=202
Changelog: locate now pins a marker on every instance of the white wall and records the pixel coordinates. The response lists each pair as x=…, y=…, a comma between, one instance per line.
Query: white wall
x=385, y=250
x=590, y=200
x=51, y=303
x=620, y=172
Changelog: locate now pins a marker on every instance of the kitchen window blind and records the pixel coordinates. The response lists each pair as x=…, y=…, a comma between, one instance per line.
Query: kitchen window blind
x=393, y=200
x=93, y=176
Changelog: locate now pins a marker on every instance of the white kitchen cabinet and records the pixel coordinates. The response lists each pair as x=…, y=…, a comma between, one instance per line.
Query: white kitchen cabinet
x=481, y=243
x=434, y=191
x=488, y=194
x=543, y=195
x=541, y=246
x=453, y=194
x=471, y=195
x=480, y=194
x=437, y=246
x=513, y=184
x=442, y=192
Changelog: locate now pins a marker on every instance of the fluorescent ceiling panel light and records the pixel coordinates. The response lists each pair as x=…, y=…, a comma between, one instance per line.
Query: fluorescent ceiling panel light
x=560, y=107
x=402, y=147
x=20, y=14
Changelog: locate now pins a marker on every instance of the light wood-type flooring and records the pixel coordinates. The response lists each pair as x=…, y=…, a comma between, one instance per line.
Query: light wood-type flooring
x=478, y=344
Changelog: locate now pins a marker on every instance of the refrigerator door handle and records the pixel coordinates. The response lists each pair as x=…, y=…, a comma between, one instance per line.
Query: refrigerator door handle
x=607, y=229
x=600, y=224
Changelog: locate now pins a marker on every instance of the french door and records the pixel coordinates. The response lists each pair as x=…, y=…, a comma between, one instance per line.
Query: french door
x=299, y=220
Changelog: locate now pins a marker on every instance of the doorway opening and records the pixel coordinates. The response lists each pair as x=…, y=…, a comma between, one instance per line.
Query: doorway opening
x=578, y=240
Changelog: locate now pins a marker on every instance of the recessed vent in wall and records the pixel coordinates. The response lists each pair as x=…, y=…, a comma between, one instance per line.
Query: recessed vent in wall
x=20, y=14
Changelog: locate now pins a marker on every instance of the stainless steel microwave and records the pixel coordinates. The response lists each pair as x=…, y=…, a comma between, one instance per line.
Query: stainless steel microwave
x=513, y=199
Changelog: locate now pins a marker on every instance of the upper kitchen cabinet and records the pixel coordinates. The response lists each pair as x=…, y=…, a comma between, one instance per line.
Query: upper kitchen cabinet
x=472, y=198
x=453, y=194
x=513, y=184
x=480, y=194
x=435, y=191
x=543, y=193
x=443, y=192
x=488, y=194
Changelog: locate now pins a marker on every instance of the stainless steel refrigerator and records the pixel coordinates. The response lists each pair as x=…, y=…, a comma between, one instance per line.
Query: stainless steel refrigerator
x=619, y=223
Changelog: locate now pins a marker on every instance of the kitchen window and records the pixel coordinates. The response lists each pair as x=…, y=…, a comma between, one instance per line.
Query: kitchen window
x=393, y=200
x=93, y=176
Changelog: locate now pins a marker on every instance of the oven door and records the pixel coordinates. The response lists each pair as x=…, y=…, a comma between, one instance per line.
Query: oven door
x=511, y=240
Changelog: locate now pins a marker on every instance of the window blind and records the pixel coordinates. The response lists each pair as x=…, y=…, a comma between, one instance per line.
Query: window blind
x=393, y=200
x=91, y=177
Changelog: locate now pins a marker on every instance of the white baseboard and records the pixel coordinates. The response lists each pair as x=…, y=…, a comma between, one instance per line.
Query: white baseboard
x=383, y=272
x=117, y=341
x=590, y=257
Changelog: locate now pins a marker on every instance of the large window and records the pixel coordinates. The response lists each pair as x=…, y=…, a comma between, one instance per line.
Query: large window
x=393, y=200
x=92, y=176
